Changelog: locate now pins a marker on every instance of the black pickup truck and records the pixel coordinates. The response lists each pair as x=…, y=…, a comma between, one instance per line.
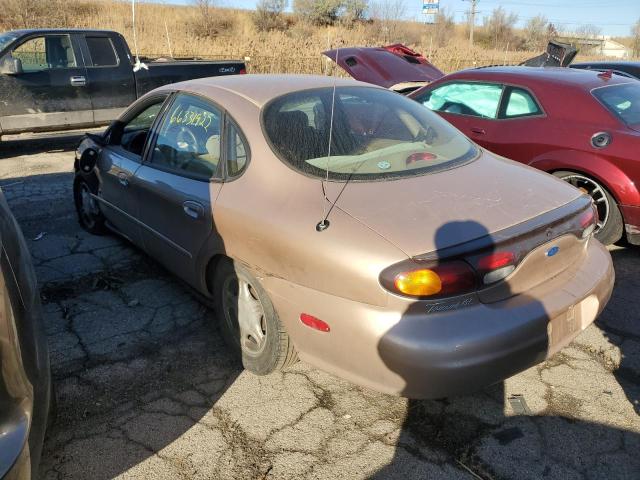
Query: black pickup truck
x=63, y=79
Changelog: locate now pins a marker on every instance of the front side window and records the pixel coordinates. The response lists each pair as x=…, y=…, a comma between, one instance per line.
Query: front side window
x=134, y=133
x=622, y=100
x=102, y=52
x=464, y=98
x=188, y=141
x=44, y=53
x=376, y=135
x=520, y=103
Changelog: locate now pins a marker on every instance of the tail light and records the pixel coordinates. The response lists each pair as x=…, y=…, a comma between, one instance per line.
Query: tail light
x=452, y=278
x=242, y=71
x=588, y=221
x=496, y=266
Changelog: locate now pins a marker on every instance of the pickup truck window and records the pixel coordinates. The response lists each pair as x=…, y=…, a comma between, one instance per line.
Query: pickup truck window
x=102, y=52
x=6, y=39
x=43, y=53
x=189, y=139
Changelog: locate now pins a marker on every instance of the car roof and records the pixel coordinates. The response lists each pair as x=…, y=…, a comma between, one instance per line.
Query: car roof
x=259, y=89
x=573, y=77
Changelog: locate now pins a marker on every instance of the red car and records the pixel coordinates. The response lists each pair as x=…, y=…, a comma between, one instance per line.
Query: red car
x=581, y=126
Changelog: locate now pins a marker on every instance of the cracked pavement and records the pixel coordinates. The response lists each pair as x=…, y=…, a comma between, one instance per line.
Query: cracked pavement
x=146, y=388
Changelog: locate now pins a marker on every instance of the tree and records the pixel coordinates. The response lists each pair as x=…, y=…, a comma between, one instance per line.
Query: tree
x=588, y=31
x=635, y=38
x=318, y=12
x=443, y=27
x=353, y=11
x=269, y=15
x=388, y=13
x=499, y=27
x=536, y=33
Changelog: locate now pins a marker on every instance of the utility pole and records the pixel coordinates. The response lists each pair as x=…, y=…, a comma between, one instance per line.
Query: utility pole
x=472, y=19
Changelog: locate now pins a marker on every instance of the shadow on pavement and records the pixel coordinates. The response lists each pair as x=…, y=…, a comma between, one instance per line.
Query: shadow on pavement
x=30, y=144
x=487, y=435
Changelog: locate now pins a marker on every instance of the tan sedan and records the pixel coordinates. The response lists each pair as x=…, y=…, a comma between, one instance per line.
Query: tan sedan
x=344, y=224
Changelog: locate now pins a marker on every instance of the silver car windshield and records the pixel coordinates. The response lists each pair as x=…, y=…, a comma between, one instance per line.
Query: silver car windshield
x=376, y=135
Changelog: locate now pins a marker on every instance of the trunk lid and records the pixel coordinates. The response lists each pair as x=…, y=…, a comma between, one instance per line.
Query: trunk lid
x=391, y=66
x=441, y=210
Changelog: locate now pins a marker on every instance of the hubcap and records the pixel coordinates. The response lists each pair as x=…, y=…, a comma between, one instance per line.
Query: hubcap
x=244, y=315
x=88, y=205
x=596, y=192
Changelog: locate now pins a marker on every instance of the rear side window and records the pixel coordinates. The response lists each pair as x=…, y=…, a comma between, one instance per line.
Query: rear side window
x=376, y=135
x=102, y=52
x=520, y=103
x=622, y=100
x=465, y=98
x=189, y=141
x=237, y=151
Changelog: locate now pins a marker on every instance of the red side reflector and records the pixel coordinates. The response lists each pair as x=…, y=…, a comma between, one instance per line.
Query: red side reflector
x=416, y=157
x=313, y=322
x=496, y=260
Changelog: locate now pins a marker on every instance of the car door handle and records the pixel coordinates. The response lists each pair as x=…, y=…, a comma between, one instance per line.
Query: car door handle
x=193, y=209
x=123, y=178
x=478, y=130
x=78, y=81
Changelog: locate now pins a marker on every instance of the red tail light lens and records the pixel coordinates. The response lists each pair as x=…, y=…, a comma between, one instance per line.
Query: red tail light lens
x=496, y=260
x=588, y=221
x=420, y=156
x=242, y=71
x=451, y=278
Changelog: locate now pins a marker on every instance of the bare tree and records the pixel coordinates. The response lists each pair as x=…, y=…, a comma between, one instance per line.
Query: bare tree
x=588, y=31
x=318, y=12
x=353, y=11
x=269, y=15
x=536, y=33
x=635, y=36
x=388, y=13
x=443, y=27
x=499, y=27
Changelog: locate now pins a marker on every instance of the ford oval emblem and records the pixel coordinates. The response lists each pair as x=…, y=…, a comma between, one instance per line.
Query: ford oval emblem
x=552, y=251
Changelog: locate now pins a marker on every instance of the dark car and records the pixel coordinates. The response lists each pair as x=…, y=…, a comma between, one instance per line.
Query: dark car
x=625, y=69
x=581, y=126
x=25, y=380
x=61, y=79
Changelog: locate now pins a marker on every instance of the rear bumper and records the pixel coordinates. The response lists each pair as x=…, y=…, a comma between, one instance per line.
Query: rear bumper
x=403, y=350
x=631, y=216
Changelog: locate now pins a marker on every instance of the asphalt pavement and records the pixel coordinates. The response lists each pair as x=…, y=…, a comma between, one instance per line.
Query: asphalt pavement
x=146, y=388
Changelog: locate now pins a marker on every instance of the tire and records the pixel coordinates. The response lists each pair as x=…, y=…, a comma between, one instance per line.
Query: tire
x=610, y=227
x=263, y=344
x=89, y=215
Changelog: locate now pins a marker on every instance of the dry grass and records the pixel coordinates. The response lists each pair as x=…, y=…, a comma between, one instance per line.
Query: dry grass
x=296, y=50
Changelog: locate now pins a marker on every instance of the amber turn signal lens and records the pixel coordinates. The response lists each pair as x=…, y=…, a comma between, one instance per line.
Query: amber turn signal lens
x=418, y=283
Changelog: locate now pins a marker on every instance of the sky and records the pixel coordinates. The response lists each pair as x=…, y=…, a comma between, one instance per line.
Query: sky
x=613, y=17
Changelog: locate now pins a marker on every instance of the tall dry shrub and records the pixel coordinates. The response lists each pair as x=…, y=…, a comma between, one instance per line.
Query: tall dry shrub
x=269, y=15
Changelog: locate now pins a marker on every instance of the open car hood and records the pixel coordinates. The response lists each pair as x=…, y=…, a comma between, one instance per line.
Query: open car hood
x=395, y=66
x=557, y=55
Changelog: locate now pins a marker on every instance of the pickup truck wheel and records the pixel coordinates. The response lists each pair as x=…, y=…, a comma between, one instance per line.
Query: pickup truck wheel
x=609, y=228
x=89, y=214
x=249, y=322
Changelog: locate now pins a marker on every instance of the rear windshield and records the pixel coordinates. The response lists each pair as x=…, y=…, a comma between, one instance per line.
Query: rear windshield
x=622, y=100
x=376, y=135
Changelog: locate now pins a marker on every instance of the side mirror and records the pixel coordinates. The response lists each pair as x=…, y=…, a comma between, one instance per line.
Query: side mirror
x=11, y=66
x=88, y=161
x=97, y=139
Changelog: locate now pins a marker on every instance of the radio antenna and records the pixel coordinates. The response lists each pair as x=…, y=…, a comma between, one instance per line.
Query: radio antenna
x=324, y=223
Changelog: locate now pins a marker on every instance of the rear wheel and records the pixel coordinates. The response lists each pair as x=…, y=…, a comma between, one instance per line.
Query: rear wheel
x=610, y=227
x=89, y=214
x=249, y=322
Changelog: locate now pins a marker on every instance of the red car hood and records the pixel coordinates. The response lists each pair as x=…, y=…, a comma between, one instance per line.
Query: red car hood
x=387, y=67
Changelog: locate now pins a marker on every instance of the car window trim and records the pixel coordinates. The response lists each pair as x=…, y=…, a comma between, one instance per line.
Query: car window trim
x=74, y=47
x=228, y=119
x=130, y=114
x=481, y=82
x=504, y=100
x=219, y=176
